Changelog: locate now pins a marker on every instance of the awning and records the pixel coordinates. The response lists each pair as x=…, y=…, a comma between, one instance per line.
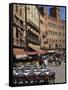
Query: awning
x=34, y=47
x=21, y=56
x=51, y=51
x=31, y=53
x=37, y=49
x=59, y=52
x=19, y=53
x=46, y=46
x=41, y=51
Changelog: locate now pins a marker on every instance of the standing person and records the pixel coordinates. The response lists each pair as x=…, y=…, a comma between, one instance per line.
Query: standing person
x=59, y=61
x=56, y=60
x=41, y=61
x=45, y=62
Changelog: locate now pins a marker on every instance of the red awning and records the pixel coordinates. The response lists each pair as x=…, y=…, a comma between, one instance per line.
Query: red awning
x=31, y=53
x=19, y=53
x=37, y=52
x=42, y=52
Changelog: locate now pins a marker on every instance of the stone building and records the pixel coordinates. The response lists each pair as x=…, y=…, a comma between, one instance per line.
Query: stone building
x=26, y=29
x=52, y=29
x=19, y=32
x=33, y=27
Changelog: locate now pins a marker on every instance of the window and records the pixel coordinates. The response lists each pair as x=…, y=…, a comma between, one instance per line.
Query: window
x=63, y=41
x=16, y=8
x=56, y=33
x=43, y=35
x=21, y=34
x=59, y=41
x=52, y=25
x=59, y=33
x=49, y=31
x=59, y=26
x=60, y=46
x=62, y=27
x=56, y=46
x=17, y=41
x=56, y=41
x=45, y=42
x=16, y=19
x=20, y=12
x=46, y=33
x=62, y=34
x=53, y=33
x=17, y=34
x=49, y=46
x=28, y=8
x=21, y=22
x=21, y=41
x=41, y=21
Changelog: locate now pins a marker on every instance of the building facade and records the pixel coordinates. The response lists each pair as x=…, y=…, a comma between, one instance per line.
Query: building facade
x=19, y=32
x=26, y=29
x=43, y=28
x=33, y=28
x=61, y=35
x=53, y=31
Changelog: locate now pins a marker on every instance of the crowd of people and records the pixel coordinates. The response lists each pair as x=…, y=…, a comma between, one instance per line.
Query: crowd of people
x=53, y=59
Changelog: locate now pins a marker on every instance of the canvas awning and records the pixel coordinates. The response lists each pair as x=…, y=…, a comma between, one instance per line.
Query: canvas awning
x=41, y=51
x=19, y=53
x=37, y=49
x=34, y=47
x=21, y=56
x=51, y=51
x=31, y=53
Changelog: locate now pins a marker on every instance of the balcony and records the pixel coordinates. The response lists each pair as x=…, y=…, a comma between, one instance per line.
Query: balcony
x=35, y=47
x=34, y=32
x=52, y=18
x=19, y=43
x=35, y=41
x=19, y=23
x=29, y=22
